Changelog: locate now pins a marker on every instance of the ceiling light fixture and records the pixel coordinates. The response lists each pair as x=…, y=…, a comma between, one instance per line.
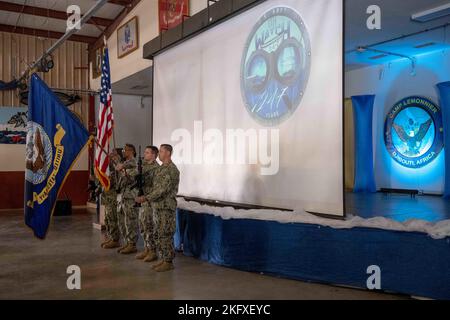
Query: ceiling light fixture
x=431, y=14
x=362, y=49
x=425, y=45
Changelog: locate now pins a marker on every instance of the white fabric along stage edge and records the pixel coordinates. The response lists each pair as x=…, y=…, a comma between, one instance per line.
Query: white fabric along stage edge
x=439, y=230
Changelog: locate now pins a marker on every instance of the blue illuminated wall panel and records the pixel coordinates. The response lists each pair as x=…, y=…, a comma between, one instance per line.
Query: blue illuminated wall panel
x=392, y=82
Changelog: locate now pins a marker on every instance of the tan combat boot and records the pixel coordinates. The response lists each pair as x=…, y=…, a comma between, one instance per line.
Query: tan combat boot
x=105, y=242
x=163, y=267
x=130, y=248
x=156, y=263
x=121, y=248
x=151, y=256
x=111, y=245
x=142, y=254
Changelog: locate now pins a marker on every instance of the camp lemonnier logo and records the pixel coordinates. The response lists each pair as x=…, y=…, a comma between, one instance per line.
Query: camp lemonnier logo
x=414, y=132
x=275, y=66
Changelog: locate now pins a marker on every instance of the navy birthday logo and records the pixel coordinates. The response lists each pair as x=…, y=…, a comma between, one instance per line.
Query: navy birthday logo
x=275, y=66
x=414, y=132
x=39, y=153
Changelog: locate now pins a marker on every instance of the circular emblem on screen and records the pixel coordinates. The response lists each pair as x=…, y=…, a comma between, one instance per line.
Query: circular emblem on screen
x=275, y=66
x=414, y=132
x=38, y=153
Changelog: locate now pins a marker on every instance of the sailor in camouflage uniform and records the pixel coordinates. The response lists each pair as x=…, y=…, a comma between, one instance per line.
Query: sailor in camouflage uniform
x=149, y=167
x=162, y=198
x=109, y=199
x=127, y=212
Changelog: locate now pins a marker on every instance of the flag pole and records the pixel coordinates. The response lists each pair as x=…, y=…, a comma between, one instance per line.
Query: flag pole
x=104, y=151
x=113, y=137
x=100, y=146
x=113, y=131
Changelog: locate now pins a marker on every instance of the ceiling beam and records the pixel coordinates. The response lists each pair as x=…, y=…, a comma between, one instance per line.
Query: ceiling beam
x=113, y=26
x=45, y=33
x=120, y=2
x=48, y=13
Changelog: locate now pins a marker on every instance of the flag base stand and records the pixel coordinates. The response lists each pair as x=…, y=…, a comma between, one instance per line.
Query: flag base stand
x=91, y=206
x=63, y=208
x=98, y=226
x=100, y=223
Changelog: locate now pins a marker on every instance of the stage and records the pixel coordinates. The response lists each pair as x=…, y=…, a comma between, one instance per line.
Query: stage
x=410, y=262
x=397, y=207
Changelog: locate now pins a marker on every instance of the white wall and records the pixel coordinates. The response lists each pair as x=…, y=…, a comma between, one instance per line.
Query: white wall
x=197, y=6
x=147, y=13
x=396, y=83
x=132, y=119
x=134, y=123
x=12, y=158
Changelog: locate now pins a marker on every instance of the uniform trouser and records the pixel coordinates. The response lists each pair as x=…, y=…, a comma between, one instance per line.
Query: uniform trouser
x=164, y=231
x=121, y=216
x=146, y=227
x=128, y=218
x=112, y=220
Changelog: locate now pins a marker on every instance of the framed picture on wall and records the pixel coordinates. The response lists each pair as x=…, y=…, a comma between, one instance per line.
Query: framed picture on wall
x=96, y=60
x=171, y=13
x=13, y=125
x=127, y=37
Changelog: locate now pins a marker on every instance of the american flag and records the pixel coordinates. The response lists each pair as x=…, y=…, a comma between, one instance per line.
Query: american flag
x=104, y=125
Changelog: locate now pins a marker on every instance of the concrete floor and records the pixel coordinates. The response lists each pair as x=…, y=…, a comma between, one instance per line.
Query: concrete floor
x=36, y=269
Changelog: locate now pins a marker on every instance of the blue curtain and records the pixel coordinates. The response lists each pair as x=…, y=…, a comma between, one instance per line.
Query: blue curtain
x=444, y=92
x=363, y=115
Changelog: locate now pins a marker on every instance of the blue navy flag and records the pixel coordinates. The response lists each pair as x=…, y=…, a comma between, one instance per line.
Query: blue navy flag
x=55, y=138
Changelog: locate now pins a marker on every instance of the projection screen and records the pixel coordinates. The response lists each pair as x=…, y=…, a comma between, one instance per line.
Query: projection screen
x=253, y=107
